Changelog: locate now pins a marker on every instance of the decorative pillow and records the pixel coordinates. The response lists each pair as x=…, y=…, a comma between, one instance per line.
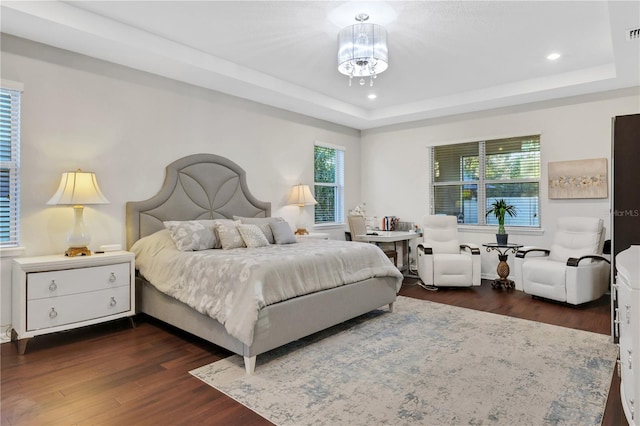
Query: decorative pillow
x=229, y=235
x=190, y=235
x=218, y=243
x=153, y=244
x=263, y=223
x=252, y=235
x=282, y=233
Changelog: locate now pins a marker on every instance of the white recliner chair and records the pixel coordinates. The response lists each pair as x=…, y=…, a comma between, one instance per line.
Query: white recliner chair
x=442, y=260
x=572, y=270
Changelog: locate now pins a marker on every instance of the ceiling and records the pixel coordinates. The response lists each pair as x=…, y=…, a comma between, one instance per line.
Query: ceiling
x=445, y=57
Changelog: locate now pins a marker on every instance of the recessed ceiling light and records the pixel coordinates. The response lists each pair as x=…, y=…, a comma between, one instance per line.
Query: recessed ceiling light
x=553, y=56
x=372, y=96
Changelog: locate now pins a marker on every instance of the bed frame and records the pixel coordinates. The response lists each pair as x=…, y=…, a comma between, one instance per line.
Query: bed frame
x=207, y=186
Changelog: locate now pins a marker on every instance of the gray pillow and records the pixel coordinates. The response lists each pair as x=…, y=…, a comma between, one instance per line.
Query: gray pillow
x=282, y=233
x=229, y=235
x=191, y=235
x=252, y=235
x=213, y=223
x=263, y=224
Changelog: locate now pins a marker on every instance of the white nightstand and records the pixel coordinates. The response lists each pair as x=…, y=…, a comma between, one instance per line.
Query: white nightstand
x=56, y=293
x=314, y=235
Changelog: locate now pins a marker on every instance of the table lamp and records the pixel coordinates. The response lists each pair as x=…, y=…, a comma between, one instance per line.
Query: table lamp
x=78, y=189
x=301, y=196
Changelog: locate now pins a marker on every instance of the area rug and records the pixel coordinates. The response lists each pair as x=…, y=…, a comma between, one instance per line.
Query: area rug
x=427, y=364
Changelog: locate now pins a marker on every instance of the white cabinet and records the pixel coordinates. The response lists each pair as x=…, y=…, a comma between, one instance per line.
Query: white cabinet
x=627, y=326
x=57, y=293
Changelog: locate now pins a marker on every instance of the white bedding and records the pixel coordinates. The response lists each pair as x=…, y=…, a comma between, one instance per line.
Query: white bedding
x=233, y=285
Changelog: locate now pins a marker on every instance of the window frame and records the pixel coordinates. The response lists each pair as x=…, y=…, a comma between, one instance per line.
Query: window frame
x=483, y=181
x=338, y=185
x=11, y=115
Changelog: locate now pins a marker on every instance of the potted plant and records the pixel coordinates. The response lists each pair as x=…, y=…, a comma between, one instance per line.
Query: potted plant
x=500, y=209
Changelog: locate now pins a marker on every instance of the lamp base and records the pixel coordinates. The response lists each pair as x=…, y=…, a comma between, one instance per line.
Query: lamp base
x=301, y=231
x=77, y=251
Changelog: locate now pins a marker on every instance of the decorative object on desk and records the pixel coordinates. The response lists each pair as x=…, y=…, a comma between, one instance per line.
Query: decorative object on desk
x=362, y=50
x=389, y=223
x=78, y=189
x=301, y=196
x=358, y=210
x=500, y=208
x=404, y=226
x=578, y=179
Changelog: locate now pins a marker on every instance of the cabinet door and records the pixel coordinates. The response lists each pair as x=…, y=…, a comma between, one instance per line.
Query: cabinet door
x=626, y=174
x=628, y=318
x=61, y=310
x=72, y=281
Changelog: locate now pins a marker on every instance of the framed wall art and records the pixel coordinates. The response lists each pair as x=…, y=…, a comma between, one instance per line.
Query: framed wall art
x=578, y=179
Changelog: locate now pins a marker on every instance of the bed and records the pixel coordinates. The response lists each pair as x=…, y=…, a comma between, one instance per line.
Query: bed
x=204, y=187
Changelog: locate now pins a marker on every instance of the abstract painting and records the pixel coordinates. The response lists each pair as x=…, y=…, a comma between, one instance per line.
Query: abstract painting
x=578, y=179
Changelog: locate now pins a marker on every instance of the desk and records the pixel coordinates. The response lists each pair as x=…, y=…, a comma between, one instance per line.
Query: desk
x=394, y=237
x=503, y=267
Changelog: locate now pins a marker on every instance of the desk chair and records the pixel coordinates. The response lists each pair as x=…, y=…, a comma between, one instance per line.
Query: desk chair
x=357, y=227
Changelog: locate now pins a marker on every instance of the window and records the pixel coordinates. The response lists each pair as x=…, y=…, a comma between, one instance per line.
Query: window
x=9, y=167
x=467, y=177
x=329, y=184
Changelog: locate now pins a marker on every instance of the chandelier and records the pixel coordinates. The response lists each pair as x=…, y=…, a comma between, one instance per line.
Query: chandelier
x=362, y=50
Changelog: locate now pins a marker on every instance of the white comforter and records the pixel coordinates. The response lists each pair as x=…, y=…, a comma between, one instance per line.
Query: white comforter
x=233, y=285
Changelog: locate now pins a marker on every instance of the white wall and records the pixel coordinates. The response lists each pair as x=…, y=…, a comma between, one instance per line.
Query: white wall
x=395, y=171
x=126, y=126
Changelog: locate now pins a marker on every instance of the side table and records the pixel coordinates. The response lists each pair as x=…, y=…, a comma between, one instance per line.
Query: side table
x=58, y=293
x=503, y=267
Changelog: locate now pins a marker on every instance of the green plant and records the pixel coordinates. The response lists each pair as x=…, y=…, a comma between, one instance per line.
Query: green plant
x=500, y=209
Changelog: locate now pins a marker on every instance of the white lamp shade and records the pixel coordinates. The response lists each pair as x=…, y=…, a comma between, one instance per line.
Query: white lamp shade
x=78, y=188
x=301, y=196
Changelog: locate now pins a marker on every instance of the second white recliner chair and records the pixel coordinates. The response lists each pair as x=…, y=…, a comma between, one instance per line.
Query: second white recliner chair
x=573, y=270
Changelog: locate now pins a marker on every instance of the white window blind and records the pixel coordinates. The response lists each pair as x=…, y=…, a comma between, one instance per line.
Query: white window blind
x=329, y=184
x=466, y=178
x=9, y=167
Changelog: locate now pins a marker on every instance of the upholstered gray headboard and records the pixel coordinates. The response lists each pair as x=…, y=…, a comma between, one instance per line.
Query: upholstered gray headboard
x=200, y=186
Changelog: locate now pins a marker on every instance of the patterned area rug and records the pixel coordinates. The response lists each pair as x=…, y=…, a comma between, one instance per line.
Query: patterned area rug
x=427, y=364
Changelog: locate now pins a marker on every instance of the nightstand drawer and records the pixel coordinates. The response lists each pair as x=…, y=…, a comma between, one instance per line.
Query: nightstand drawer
x=55, y=311
x=42, y=285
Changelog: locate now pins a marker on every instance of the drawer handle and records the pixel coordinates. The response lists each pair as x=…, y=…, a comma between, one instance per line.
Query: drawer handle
x=53, y=286
x=112, y=278
x=628, y=307
x=629, y=350
x=53, y=313
x=113, y=301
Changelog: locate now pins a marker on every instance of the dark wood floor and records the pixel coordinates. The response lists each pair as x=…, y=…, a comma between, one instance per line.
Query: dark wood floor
x=113, y=374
